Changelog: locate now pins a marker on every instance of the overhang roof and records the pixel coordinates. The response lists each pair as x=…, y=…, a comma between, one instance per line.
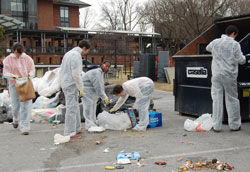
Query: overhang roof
x=92, y=31
x=78, y=3
x=8, y=22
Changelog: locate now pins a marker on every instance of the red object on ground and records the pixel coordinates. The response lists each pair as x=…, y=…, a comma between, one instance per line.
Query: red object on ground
x=75, y=137
x=161, y=163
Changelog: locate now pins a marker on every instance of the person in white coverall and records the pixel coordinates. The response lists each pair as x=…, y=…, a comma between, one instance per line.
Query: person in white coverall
x=93, y=89
x=72, y=86
x=142, y=89
x=227, y=55
x=19, y=65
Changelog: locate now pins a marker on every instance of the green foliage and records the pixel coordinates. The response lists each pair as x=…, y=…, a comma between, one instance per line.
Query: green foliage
x=2, y=36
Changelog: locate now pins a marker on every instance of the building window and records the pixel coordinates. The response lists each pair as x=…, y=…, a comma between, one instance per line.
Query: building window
x=50, y=60
x=19, y=11
x=64, y=16
x=38, y=60
x=93, y=60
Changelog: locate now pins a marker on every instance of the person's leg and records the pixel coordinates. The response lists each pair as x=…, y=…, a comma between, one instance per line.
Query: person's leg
x=25, y=116
x=72, y=110
x=15, y=104
x=89, y=110
x=232, y=103
x=143, y=108
x=217, y=97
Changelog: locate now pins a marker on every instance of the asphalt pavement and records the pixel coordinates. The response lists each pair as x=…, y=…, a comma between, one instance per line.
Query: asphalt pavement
x=37, y=152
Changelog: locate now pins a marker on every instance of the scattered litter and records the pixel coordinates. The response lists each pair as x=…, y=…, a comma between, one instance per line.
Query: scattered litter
x=140, y=164
x=96, y=129
x=106, y=150
x=214, y=164
x=119, y=167
x=161, y=163
x=98, y=142
x=179, y=159
x=184, y=135
x=123, y=161
x=109, y=167
x=182, y=141
x=59, y=139
x=42, y=149
x=190, y=143
x=124, y=158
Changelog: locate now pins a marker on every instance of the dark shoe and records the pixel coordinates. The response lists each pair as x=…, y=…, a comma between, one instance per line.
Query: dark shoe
x=238, y=129
x=216, y=131
x=25, y=133
x=14, y=125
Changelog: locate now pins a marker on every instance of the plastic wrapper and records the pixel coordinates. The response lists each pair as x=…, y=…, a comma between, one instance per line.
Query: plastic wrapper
x=201, y=124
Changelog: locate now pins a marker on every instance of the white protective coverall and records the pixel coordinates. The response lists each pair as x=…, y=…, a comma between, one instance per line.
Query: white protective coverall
x=23, y=67
x=93, y=89
x=71, y=83
x=142, y=89
x=227, y=55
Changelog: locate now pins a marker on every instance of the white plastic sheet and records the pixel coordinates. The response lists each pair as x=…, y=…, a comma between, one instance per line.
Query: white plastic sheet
x=5, y=98
x=44, y=102
x=201, y=124
x=49, y=83
x=117, y=121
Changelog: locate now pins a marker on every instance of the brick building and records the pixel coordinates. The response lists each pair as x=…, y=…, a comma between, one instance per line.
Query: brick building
x=51, y=27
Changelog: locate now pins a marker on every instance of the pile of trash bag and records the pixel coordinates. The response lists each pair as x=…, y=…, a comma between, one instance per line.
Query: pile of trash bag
x=5, y=107
x=49, y=103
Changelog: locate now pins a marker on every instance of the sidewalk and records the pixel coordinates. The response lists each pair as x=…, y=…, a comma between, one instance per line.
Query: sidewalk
x=36, y=152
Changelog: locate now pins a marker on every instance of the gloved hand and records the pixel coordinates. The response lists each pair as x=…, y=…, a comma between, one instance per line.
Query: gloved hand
x=30, y=77
x=81, y=93
x=112, y=110
x=14, y=76
x=106, y=101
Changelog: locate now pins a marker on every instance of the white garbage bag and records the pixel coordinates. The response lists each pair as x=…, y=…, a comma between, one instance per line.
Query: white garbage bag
x=96, y=129
x=117, y=121
x=5, y=99
x=44, y=102
x=201, y=124
x=59, y=139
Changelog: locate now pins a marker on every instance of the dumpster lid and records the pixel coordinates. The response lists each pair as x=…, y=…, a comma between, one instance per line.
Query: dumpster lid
x=194, y=57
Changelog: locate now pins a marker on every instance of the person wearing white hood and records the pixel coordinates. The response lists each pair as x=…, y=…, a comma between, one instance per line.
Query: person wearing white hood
x=227, y=55
x=142, y=89
x=72, y=86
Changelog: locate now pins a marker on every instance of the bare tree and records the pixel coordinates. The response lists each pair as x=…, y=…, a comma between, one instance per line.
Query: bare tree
x=120, y=15
x=240, y=7
x=180, y=21
x=87, y=16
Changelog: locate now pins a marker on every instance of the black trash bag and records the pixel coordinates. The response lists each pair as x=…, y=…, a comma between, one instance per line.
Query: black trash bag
x=5, y=115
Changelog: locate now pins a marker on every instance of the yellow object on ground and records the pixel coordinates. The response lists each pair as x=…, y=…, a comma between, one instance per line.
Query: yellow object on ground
x=109, y=167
